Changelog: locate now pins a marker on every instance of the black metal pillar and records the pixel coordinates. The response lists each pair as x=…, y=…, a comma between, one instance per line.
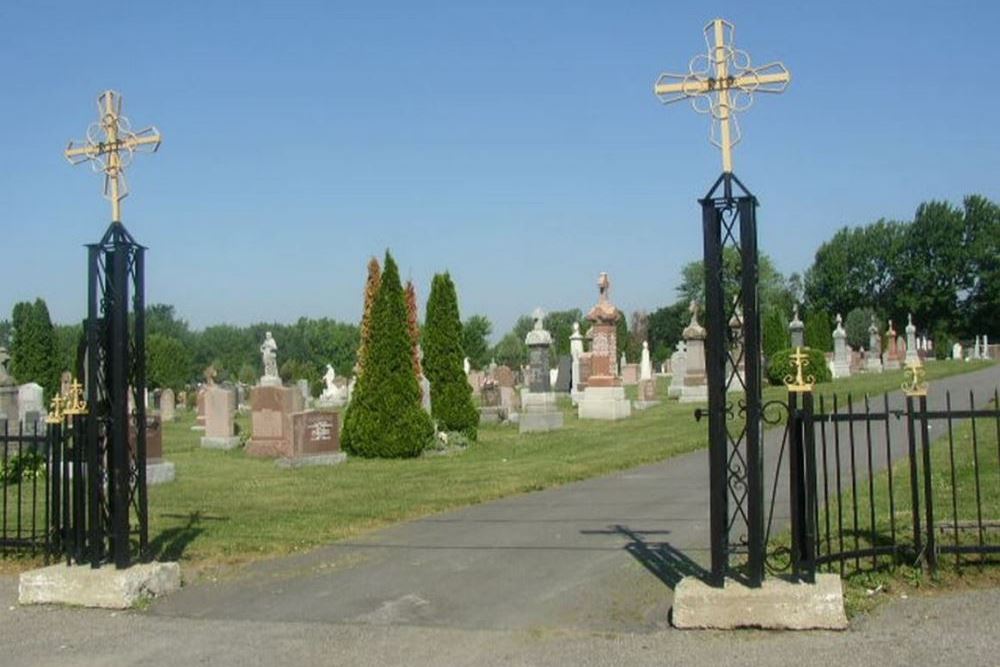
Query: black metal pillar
x=736, y=476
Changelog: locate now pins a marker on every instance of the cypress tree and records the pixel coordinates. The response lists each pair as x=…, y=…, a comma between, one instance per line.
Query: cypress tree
x=33, y=346
x=818, y=332
x=413, y=326
x=776, y=335
x=384, y=417
x=371, y=291
x=451, y=395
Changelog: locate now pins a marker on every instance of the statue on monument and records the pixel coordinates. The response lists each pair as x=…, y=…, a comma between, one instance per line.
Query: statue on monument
x=269, y=354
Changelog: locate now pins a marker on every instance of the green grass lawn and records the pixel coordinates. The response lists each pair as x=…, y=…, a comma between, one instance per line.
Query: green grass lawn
x=226, y=507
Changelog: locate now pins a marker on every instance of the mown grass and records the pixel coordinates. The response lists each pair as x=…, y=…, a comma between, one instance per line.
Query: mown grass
x=225, y=507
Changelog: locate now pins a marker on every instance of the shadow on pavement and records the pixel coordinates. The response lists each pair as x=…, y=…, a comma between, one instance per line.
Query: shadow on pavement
x=662, y=559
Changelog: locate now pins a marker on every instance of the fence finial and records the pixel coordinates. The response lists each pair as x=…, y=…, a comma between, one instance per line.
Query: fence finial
x=800, y=383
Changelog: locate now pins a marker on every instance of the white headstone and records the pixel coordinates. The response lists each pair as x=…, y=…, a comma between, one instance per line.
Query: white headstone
x=467, y=365
x=645, y=364
x=678, y=361
x=30, y=398
x=911, y=341
x=956, y=351
x=841, y=365
x=167, y=405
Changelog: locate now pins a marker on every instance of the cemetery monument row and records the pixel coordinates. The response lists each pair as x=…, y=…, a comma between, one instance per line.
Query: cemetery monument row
x=604, y=395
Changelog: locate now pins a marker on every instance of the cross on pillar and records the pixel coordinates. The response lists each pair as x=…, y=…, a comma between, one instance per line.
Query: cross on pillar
x=722, y=82
x=110, y=145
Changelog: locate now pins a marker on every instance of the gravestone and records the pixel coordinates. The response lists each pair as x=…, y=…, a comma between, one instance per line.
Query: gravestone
x=796, y=329
x=912, y=353
x=158, y=469
x=841, y=358
x=892, y=355
x=630, y=375
x=538, y=341
x=575, y=352
x=678, y=366
x=564, y=374
x=182, y=400
x=30, y=398
x=476, y=379
x=538, y=404
x=694, y=388
x=199, y=418
x=168, y=412
x=65, y=383
x=604, y=395
x=873, y=361
x=504, y=376
x=220, y=410
x=303, y=387
x=271, y=410
x=645, y=364
x=425, y=394
x=315, y=439
x=956, y=351
x=491, y=408
x=8, y=390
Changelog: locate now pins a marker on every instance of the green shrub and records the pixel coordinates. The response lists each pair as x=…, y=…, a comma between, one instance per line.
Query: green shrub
x=22, y=468
x=384, y=417
x=451, y=394
x=780, y=366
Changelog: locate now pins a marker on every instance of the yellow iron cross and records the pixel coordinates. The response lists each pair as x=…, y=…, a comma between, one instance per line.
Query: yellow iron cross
x=722, y=82
x=110, y=145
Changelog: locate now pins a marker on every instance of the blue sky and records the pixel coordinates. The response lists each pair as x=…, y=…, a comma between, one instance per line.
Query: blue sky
x=516, y=144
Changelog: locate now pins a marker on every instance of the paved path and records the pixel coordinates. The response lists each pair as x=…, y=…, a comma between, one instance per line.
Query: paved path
x=593, y=555
x=580, y=574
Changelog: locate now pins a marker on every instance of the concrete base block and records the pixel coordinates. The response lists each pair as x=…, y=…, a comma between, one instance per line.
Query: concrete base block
x=539, y=422
x=221, y=443
x=330, y=459
x=160, y=472
x=197, y=427
x=608, y=403
x=104, y=587
x=644, y=405
x=776, y=605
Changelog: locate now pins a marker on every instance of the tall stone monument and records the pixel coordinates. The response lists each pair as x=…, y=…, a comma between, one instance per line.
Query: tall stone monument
x=647, y=385
x=8, y=392
x=912, y=352
x=873, y=363
x=695, y=385
x=576, y=351
x=678, y=364
x=796, y=330
x=604, y=395
x=841, y=357
x=538, y=403
x=892, y=354
x=220, y=411
x=271, y=408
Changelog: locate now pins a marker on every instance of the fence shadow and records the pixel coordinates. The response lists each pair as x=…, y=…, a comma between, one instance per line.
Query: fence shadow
x=662, y=559
x=169, y=544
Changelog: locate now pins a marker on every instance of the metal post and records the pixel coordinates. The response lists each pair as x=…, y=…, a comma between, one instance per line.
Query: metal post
x=86, y=497
x=811, y=504
x=747, y=207
x=715, y=371
x=931, y=557
x=139, y=366
x=795, y=481
x=118, y=445
x=914, y=479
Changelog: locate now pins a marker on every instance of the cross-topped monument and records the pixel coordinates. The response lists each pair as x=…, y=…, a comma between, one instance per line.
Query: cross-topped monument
x=110, y=146
x=722, y=82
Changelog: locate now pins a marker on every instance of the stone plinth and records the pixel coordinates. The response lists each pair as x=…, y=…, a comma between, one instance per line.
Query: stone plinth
x=158, y=470
x=8, y=406
x=493, y=414
x=539, y=412
x=607, y=403
x=105, y=587
x=199, y=419
x=220, y=409
x=271, y=420
x=776, y=605
x=678, y=364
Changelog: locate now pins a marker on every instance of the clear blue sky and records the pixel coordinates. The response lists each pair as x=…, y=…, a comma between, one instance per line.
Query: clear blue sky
x=516, y=144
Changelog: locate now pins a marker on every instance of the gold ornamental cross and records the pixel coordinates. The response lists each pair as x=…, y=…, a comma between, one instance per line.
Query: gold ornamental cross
x=110, y=146
x=722, y=82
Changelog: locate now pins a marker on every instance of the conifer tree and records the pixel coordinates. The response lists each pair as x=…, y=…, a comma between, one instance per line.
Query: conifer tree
x=451, y=395
x=371, y=291
x=33, y=346
x=413, y=326
x=384, y=417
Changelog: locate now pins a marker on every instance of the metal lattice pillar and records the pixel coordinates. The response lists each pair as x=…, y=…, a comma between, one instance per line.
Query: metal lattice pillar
x=116, y=366
x=735, y=456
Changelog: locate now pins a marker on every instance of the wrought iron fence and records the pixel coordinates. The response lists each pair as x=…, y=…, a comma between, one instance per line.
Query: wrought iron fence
x=880, y=482
x=24, y=481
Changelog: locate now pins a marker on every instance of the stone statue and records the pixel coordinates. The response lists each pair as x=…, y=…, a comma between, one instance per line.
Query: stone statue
x=269, y=354
x=210, y=374
x=5, y=379
x=329, y=378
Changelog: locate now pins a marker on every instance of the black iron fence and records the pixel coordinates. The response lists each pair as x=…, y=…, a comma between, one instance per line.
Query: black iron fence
x=887, y=481
x=24, y=481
